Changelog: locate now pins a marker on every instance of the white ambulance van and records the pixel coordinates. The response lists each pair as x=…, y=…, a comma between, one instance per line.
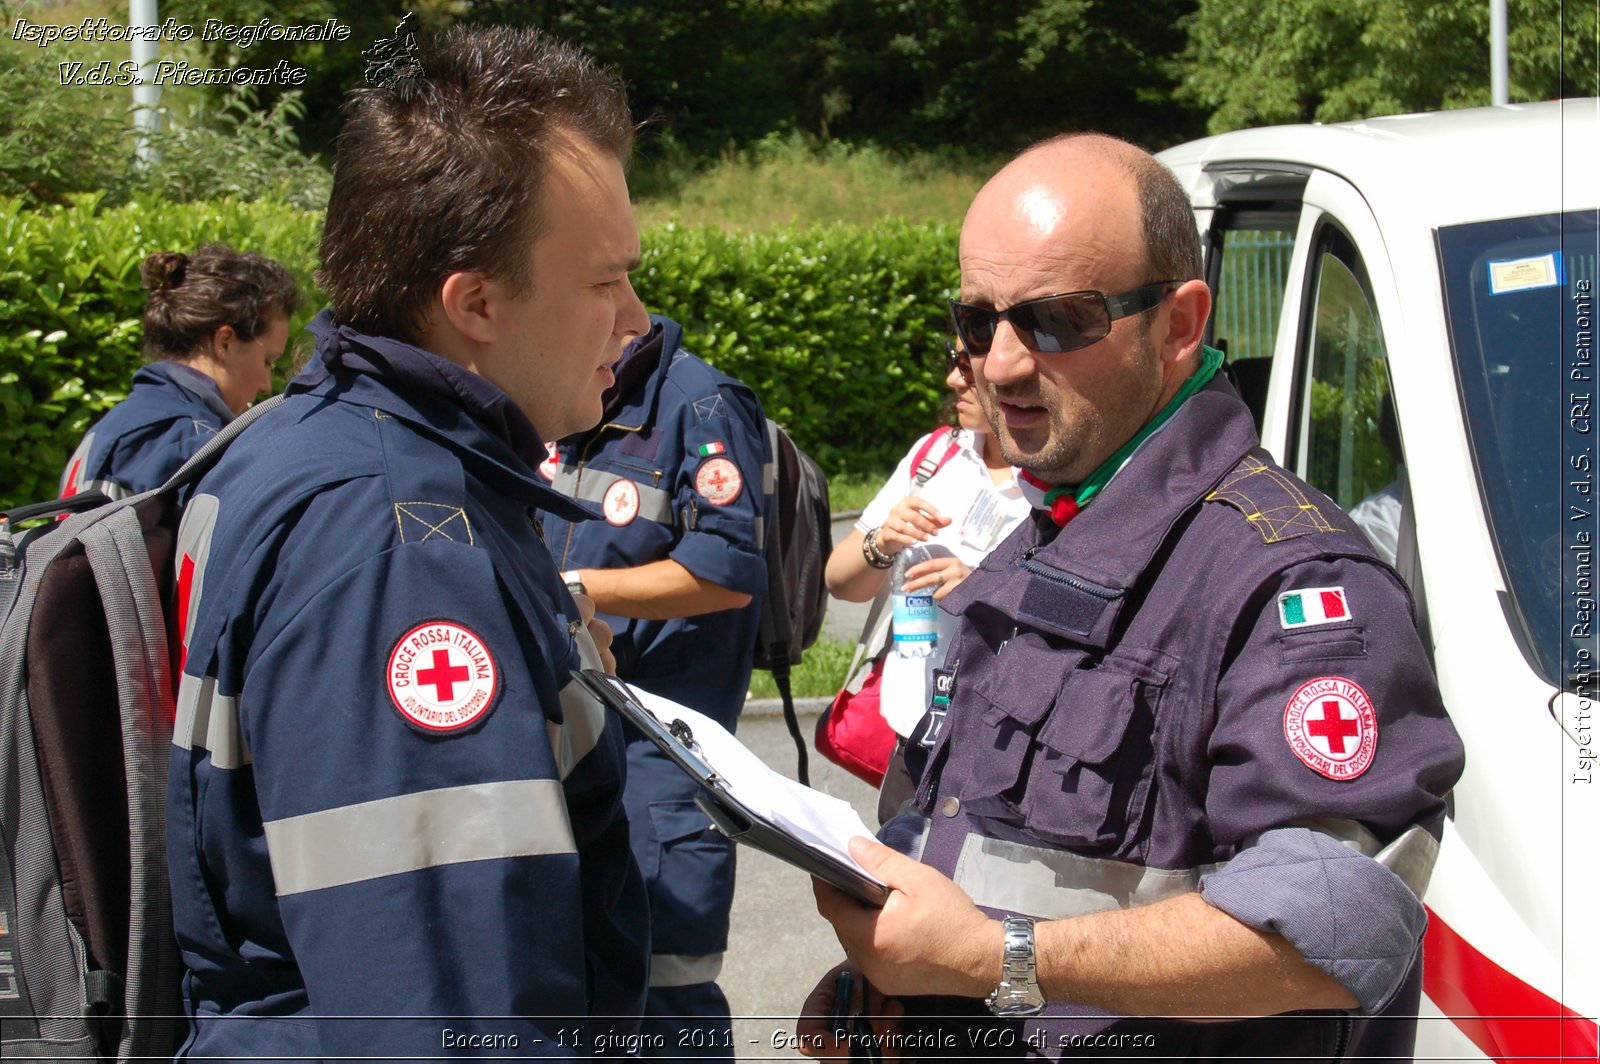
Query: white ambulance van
x=1409, y=306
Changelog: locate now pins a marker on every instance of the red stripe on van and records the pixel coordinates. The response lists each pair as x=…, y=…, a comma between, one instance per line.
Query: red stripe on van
x=1505, y=1017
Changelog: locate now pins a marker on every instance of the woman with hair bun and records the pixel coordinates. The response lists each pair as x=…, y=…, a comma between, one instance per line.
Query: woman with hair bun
x=214, y=324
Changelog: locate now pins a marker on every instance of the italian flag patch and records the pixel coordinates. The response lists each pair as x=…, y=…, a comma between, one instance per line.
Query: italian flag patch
x=706, y=450
x=1313, y=605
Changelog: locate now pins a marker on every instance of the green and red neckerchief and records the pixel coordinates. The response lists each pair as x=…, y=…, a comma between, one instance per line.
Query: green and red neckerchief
x=1064, y=501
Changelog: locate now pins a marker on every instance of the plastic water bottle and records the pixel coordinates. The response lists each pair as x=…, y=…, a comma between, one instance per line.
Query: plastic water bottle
x=916, y=619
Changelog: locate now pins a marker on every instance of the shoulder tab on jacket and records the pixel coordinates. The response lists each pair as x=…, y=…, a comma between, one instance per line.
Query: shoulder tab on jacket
x=1277, y=504
x=426, y=485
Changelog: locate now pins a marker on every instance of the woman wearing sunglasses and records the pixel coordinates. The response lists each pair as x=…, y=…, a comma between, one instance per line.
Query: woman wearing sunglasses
x=963, y=510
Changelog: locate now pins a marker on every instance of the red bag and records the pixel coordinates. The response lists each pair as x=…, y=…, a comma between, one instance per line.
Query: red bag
x=853, y=734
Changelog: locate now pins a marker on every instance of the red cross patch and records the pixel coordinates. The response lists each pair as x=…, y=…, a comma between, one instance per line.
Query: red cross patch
x=551, y=465
x=1331, y=726
x=718, y=480
x=442, y=677
x=621, y=502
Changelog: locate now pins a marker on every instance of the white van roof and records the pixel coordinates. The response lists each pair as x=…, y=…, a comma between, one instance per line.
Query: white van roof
x=1440, y=168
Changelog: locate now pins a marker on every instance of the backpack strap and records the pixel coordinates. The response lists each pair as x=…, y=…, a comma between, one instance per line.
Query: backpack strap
x=923, y=467
x=120, y=561
x=875, y=632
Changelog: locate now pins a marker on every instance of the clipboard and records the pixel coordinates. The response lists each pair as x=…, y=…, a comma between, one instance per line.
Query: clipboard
x=717, y=800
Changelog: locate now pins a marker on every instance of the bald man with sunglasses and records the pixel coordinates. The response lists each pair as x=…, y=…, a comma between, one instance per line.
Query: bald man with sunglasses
x=1183, y=783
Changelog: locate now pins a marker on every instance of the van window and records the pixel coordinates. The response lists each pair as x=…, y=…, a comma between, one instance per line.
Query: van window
x=1248, y=274
x=1520, y=299
x=1350, y=443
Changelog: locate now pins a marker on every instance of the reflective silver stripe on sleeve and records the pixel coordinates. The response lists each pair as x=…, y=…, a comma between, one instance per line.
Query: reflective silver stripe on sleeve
x=209, y=721
x=109, y=488
x=1055, y=885
x=654, y=504
x=412, y=832
x=583, y=717
x=674, y=969
x=1410, y=856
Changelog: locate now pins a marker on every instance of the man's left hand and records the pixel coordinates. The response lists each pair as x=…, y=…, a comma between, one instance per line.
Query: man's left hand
x=927, y=939
x=599, y=631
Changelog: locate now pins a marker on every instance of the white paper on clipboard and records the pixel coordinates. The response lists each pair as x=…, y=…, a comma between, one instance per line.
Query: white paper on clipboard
x=826, y=822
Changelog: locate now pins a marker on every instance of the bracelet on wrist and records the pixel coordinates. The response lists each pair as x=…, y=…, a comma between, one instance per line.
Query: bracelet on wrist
x=873, y=553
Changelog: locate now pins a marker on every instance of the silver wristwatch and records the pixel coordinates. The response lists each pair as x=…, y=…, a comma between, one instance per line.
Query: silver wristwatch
x=1018, y=993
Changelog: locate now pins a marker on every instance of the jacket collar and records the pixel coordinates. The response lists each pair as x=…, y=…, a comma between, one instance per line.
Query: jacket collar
x=191, y=380
x=1110, y=544
x=633, y=399
x=463, y=411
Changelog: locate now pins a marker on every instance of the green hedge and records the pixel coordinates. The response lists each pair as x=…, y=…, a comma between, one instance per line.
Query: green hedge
x=839, y=330
x=71, y=306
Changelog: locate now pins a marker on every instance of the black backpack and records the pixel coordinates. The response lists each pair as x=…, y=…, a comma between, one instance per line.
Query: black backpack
x=798, y=537
x=89, y=965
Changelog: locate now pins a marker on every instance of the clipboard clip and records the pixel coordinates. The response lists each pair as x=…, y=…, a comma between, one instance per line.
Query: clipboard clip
x=681, y=732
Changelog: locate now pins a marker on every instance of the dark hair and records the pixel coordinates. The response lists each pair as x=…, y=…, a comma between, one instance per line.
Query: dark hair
x=441, y=172
x=192, y=296
x=1171, y=239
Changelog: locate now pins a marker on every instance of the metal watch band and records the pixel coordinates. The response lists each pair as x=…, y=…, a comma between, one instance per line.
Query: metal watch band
x=1017, y=993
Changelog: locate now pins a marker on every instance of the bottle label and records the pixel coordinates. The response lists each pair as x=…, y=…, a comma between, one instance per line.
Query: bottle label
x=915, y=618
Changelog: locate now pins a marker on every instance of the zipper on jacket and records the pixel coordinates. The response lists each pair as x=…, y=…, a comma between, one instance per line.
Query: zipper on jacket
x=1341, y=1042
x=1057, y=576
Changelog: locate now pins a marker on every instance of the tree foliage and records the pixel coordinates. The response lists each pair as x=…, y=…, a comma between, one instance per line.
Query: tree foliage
x=985, y=74
x=1335, y=60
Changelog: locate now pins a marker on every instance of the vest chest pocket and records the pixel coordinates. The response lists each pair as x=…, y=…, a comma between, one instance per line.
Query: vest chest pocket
x=1074, y=768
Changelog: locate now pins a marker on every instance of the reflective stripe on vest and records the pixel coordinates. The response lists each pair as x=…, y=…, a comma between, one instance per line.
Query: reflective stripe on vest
x=209, y=721
x=591, y=485
x=1055, y=884
x=583, y=716
x=676, y=969
x=412, y=832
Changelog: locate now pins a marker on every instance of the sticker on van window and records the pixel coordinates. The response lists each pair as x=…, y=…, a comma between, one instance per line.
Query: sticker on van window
x=1519, y=275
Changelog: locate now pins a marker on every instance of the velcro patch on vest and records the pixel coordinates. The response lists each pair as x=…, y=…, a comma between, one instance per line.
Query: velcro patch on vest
x=718, y=481
x=1331, y=727
x=1271, y=500
x=1312, y=606
x=442, y=677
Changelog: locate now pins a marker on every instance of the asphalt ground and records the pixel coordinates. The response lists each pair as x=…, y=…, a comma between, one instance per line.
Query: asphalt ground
x=778, y=946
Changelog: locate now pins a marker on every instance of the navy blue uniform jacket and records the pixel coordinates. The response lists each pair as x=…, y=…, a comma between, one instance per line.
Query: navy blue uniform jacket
x=387, y=799
x=170, y=413
x=676, y=465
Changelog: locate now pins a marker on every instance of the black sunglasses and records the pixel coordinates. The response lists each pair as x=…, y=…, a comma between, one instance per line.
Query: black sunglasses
x=1054, y=324
x=955, y=358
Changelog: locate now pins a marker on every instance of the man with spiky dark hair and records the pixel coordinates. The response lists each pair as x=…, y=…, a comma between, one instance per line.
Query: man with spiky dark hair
x=395, y=824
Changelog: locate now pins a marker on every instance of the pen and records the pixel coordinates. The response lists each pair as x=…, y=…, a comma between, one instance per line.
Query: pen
x=839, y=1017
x=864, y=1046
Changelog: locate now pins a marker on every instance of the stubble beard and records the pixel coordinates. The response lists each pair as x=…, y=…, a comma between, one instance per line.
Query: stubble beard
x=1064, y=443
x=1059, y=449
